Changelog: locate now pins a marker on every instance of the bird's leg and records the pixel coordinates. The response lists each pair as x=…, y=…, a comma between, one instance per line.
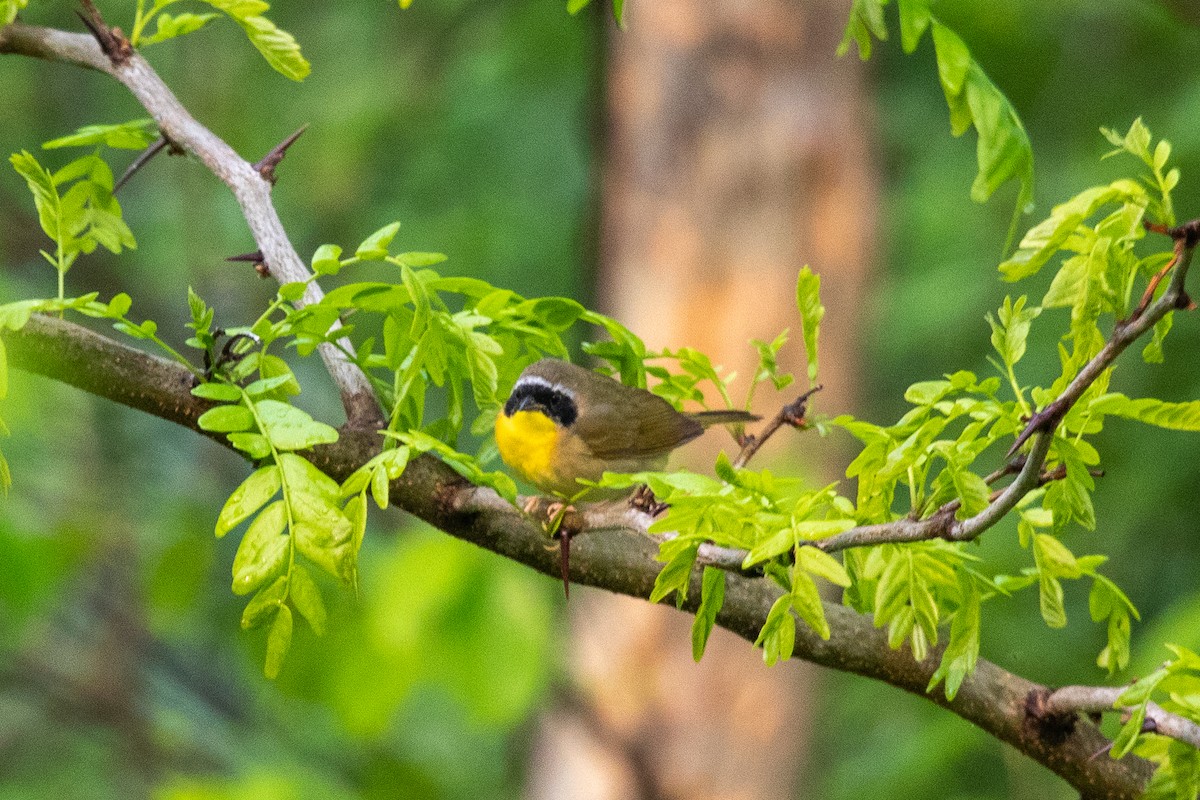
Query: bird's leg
x=552, y=518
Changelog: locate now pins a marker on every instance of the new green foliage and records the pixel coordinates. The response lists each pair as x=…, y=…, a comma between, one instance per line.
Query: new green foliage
x=1003, y=152
x=277, y=46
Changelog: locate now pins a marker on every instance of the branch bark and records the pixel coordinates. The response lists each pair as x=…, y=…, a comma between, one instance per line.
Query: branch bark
x=619, y=557
x=1103, y=699
x=251, y=189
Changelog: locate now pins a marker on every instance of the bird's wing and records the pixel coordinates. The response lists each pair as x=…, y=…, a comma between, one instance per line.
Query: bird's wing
x=635, y=426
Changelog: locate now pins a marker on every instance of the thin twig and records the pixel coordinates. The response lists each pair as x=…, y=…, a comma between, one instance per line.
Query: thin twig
x=1103, y=699
x=791, y=414
x=156, y=147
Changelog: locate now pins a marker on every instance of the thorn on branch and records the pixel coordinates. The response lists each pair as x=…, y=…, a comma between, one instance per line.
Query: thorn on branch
x=266, y=166
x=1188, y=233
x=256, y=258
x=112, y=41
x=156, y=147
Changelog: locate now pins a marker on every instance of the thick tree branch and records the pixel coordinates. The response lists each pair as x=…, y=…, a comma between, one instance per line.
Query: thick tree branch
x=619, y=558
x=249, y=186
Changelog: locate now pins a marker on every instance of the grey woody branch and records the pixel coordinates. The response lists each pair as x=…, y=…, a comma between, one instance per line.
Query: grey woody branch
x=617, y=555
x=1073, y=700
x=250, y=186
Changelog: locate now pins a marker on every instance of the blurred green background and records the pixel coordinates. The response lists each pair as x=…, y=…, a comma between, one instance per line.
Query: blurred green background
x=122, y=670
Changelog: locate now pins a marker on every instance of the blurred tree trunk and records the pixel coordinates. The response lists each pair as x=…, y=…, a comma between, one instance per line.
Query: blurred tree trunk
x=735, y=154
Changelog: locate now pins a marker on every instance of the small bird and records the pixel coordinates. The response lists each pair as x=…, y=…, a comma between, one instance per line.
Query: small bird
x=563, y=422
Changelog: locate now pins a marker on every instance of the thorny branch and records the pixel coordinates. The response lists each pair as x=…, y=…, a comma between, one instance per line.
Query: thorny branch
x=107, y=50
x=991, y=697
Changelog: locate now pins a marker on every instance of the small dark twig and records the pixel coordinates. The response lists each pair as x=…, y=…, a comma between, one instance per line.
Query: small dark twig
x=791, y=414
x=111, y=40
x=267, y=164
x=1152, y=287
x=227, y=356
x=156, y=147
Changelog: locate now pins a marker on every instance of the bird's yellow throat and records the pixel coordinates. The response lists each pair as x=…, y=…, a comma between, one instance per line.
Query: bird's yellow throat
x=527, y=442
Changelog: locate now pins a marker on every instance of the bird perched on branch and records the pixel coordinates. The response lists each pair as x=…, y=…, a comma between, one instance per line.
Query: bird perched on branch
x=563, y=422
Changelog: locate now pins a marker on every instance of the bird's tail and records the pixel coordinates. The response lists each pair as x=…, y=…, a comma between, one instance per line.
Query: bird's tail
x=725, y=417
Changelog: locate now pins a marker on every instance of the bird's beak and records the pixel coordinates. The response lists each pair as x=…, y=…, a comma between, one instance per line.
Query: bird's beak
x=525, y=404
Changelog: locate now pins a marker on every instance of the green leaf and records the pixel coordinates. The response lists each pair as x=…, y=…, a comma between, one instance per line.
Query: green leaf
x=417, y=260
x=1184, y=766
x=45, y=197
x=818, y=562
x=327, y=260
x=1128, y=736
x=226, y=419
x=375, y=246
x=786, y=538
x=962, y=652
x=1012, y=329
x=264, y=605
x=221, y=392
x=293, y=291
x=277, y=46
x=712, y=597
x=1003, y=151
x=289, y=428
x=321, y=530
x=133, y=135
x=676, y=575
x=306, y=597
x=254, y=445
x=778, y=635
x=807, y=602
x=172, y=26
x=1047, y=238
x=971, y=490
x=264, y=386
x=1152, y=353
x=9, y=9
x=247, y=498
x=808, y=301
x=866, y=20
x=1172, y=416
x=279, y=640
x=263, y=551
x=914, y=21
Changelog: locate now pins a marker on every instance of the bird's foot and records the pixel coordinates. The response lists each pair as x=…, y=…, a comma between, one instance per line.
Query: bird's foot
x=643, y=500
x=552, y=515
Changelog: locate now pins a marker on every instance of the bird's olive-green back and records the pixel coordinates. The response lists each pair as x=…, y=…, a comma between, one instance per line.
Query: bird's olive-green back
x=617, y=421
